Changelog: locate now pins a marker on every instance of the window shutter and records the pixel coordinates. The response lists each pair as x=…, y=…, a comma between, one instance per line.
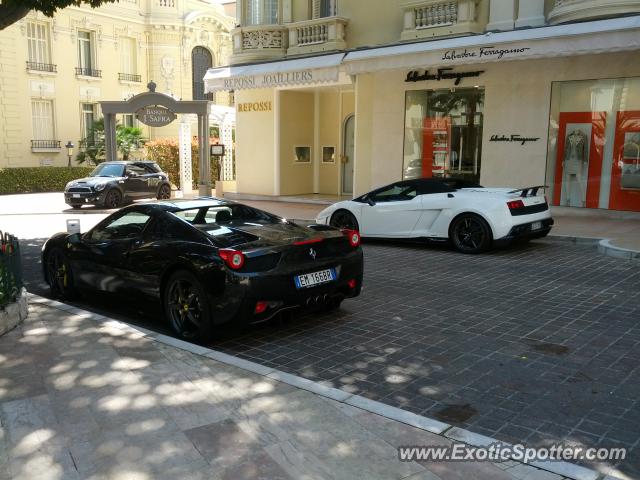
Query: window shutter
x=316, y=7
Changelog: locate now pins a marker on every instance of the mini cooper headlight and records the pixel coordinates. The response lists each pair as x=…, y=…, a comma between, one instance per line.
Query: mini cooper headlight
x=99, y=187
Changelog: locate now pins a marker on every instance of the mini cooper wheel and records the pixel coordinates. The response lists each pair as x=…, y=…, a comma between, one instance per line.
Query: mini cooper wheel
x=164, y=192
x=470, y=234
x=59, y=275
x=344, y=219
x=113, y=198
x=187, y=308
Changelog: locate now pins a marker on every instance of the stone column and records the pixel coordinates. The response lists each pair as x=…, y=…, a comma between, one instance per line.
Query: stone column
x=110, y=144
x=530, y=13
x=502, y=15
x=204, y=184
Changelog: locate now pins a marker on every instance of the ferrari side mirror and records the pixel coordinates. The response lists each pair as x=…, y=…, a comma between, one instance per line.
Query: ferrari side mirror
x=74, y=238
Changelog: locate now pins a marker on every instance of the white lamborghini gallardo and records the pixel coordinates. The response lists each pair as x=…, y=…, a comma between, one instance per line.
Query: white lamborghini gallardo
x=473, y=218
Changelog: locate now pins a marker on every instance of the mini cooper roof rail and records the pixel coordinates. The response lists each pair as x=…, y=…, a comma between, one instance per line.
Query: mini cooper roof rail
x=529, y=191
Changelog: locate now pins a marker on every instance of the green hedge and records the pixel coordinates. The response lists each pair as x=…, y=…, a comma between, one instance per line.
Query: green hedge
x=39, y=179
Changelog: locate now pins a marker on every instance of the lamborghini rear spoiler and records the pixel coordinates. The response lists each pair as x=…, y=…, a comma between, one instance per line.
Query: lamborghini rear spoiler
x=529, y=191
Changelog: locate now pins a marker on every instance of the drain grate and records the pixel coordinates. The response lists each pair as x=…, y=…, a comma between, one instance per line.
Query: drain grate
x=456, y=413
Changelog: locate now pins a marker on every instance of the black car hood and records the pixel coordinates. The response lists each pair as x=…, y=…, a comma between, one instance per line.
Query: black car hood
x=254, y=235
x=93, y=181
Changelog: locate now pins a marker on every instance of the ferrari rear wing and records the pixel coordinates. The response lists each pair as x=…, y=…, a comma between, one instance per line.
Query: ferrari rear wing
x=529, y=191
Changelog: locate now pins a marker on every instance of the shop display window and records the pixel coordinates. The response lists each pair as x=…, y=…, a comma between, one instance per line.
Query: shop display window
x=593, y=156
x=443, y=133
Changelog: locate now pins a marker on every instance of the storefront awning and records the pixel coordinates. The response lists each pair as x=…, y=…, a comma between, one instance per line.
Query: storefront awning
x=601, y=36
x=303, y=71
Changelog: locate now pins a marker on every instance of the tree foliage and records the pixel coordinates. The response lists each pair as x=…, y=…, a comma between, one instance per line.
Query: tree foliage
x=13, y=10
x=128, y=140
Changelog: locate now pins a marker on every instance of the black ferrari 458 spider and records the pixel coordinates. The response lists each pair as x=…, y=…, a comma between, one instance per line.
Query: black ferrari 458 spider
x=209, y=262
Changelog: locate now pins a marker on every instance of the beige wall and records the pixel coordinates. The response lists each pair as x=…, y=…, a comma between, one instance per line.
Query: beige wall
x=330, y=126
x=365, y=135
x=255, y=147
x=517, y=100
x=296, y=129
x=164, y=38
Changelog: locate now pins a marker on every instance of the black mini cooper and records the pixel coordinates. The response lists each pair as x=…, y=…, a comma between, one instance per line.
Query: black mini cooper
x=112, y=183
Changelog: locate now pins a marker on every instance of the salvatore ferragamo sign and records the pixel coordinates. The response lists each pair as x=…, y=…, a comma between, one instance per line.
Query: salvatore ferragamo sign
x=485, y=53
x=513, y=138
x=441, y=74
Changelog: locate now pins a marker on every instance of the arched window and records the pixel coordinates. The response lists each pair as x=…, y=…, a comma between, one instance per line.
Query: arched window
x=262, y=12
x=201, y=61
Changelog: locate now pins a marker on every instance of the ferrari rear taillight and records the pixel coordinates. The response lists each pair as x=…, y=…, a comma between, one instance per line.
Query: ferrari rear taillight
x=233, y=258
x=353, y=283
x=353, y=236
x=515, y=204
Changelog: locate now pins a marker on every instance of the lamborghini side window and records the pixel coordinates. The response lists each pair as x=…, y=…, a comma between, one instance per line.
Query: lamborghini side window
x=396, y=193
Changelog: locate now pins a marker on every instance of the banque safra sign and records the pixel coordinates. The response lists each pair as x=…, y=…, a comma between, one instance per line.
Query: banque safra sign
x=155, y=116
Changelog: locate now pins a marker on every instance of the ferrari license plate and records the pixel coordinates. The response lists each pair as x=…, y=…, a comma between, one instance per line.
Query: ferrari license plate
x=315, y=278
x=76, y=195
x=536, y=226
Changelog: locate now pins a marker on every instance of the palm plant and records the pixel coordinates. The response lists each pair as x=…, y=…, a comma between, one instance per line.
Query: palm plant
x=128, y=140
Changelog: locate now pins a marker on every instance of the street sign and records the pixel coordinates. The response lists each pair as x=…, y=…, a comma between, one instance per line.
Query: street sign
x=217, y=150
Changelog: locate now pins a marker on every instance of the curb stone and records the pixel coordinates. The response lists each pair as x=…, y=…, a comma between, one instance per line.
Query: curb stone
x=565, y=470
x=14, y=313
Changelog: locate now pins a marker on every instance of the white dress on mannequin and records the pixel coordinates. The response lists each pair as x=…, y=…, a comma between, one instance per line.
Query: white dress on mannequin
x=575, y=170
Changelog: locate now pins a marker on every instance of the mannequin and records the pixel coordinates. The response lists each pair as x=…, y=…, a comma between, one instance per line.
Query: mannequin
x=575, y=169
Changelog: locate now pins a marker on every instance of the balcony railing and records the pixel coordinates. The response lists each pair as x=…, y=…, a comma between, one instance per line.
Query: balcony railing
x=45, y=145
x=437, y=18
x=259, y=42
x=88, y=72
x=42, y=67
x=129, y=77
x=167, y=3
x=576, y=10
x=319, y=35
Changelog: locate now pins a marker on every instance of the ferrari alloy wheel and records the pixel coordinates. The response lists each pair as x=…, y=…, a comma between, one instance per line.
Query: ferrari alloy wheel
x=164, y=192
x=113, y=198
x=470, y=234
x=344, y=219
x=59, y=275
x=187, y=307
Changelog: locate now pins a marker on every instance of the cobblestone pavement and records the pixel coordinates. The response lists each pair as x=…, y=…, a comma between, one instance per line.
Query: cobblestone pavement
x=86, y=400
x=534, y=344
x=531, y=344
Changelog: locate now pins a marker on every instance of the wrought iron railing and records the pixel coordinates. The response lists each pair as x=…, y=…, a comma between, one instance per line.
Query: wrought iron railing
x=42, y=67
x=10, y=269
x=88, y=72
x=129, y=77
x=45, y=144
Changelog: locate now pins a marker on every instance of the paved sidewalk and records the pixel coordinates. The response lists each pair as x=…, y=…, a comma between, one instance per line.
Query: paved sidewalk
x=87, y=399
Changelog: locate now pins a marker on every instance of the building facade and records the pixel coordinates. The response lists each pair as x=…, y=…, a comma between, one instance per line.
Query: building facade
x=55, y=71
x=341, y=96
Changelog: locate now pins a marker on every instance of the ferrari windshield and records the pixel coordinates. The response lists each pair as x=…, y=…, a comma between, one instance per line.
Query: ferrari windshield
x=108, y=170
x=231, y=214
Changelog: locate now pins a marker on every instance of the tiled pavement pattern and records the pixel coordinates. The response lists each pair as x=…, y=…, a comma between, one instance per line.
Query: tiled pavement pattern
x=87, y=400
x=533, y=344
x=435, y=328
